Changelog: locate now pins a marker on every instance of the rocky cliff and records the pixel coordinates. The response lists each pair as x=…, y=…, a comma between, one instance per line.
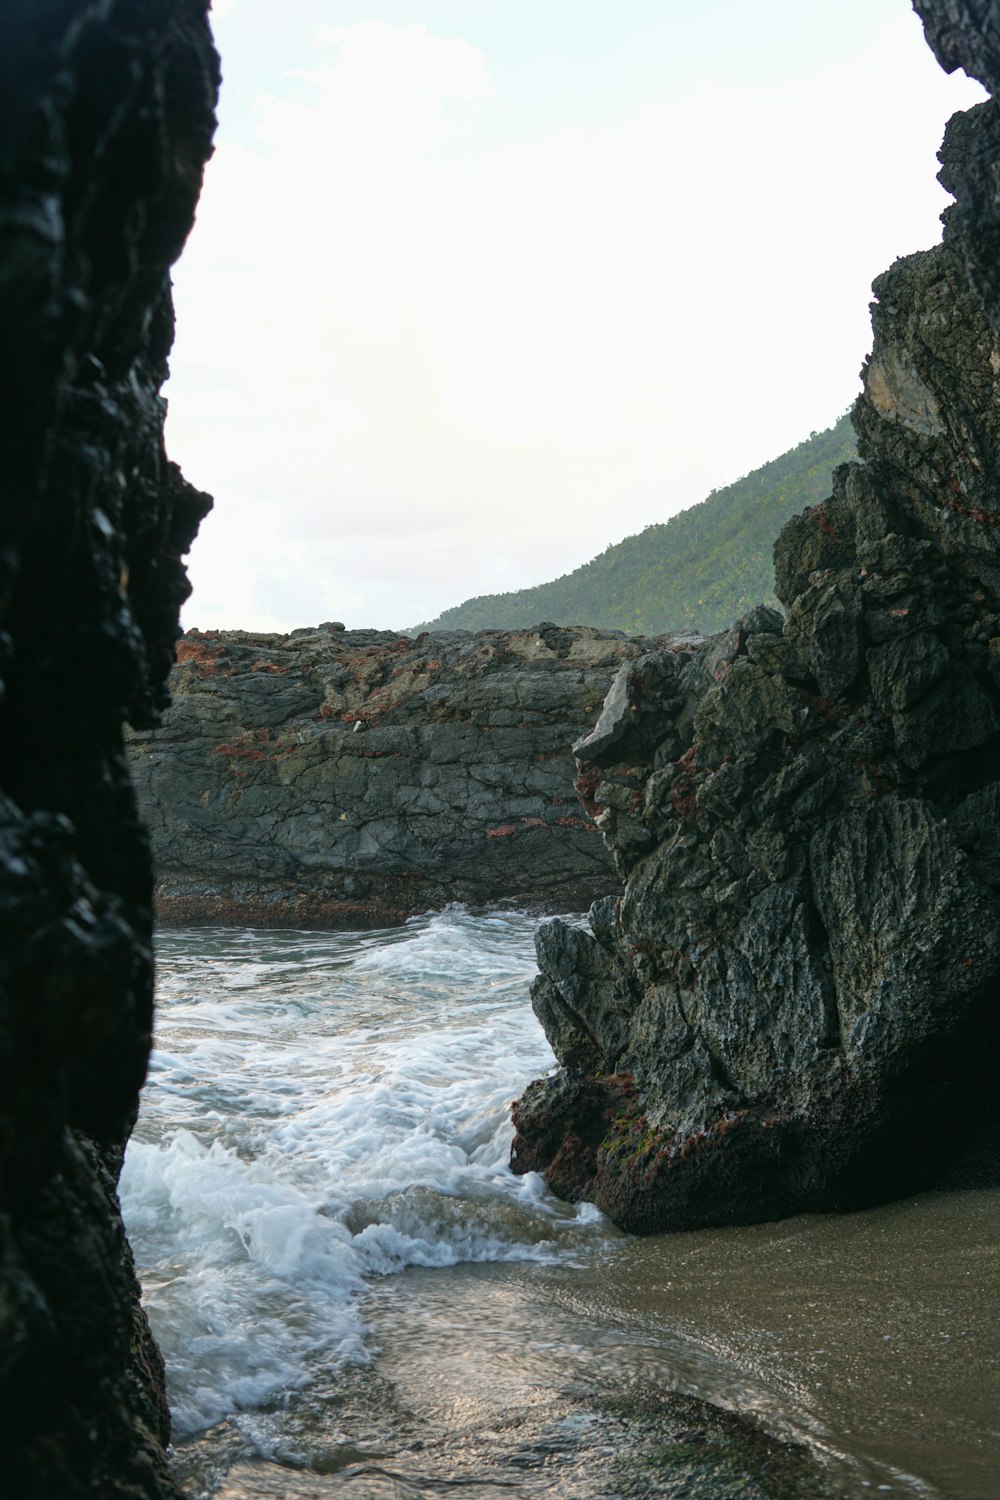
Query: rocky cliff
x=796, y=1003
x=106, y=117
x=338, y=778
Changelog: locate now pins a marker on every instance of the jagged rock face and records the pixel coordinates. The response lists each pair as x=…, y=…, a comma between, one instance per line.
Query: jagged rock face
x=966, y=34
x=106, y=123
x=339, y=778
x=796, y=1004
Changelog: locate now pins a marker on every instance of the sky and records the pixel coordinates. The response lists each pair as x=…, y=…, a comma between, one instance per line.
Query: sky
x=479, y=287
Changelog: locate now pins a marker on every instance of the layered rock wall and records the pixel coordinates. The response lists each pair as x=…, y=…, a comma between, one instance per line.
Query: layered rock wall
x=106, y=117
x=796, y=1004
x=347, y=779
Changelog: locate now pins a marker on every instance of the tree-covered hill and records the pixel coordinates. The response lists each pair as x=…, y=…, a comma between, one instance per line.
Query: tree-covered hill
x=698, y=571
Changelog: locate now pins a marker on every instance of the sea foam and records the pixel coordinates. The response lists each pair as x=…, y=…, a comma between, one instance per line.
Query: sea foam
x=323, y=1108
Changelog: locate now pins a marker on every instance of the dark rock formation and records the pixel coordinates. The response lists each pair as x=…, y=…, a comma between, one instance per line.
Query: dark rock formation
x=106, y=122
x=337, y=778
x=796, y=1005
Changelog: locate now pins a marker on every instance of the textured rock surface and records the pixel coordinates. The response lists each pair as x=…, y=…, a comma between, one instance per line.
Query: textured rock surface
x=105, y=123
x=796, y=1004
x=352, y=778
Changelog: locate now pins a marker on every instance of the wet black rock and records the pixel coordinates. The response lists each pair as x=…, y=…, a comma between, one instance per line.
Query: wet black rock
x=106, y=117
x=796, y=1004
x=350, y=779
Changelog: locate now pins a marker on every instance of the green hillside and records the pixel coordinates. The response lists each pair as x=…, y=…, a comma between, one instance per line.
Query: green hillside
x=700, y=570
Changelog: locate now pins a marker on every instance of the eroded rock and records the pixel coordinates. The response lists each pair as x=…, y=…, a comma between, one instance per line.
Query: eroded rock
x=107, y=116
x=796, y=1003
x=336, y=778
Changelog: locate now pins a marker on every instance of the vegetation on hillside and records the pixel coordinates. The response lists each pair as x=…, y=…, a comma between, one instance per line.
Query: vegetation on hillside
x=698, y=571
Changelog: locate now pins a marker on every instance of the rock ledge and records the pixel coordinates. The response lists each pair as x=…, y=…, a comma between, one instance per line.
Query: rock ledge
x=351, y=779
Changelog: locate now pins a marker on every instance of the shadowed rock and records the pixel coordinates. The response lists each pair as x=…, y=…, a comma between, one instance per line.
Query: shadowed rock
x=796, y=1004
x=105, y=123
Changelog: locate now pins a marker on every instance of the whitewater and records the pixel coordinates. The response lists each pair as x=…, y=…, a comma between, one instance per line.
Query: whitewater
x=342, y=1271
x=323, y=1108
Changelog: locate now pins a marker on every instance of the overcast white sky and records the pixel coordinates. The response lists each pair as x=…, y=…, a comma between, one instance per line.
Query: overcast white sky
x=478, y=287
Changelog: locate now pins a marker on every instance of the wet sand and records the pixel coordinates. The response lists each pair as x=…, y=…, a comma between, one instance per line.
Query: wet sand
x=868, y=1339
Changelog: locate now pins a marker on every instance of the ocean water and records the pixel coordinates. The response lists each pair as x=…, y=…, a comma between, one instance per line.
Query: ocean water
x=351, y=1289
x=324, y=1109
